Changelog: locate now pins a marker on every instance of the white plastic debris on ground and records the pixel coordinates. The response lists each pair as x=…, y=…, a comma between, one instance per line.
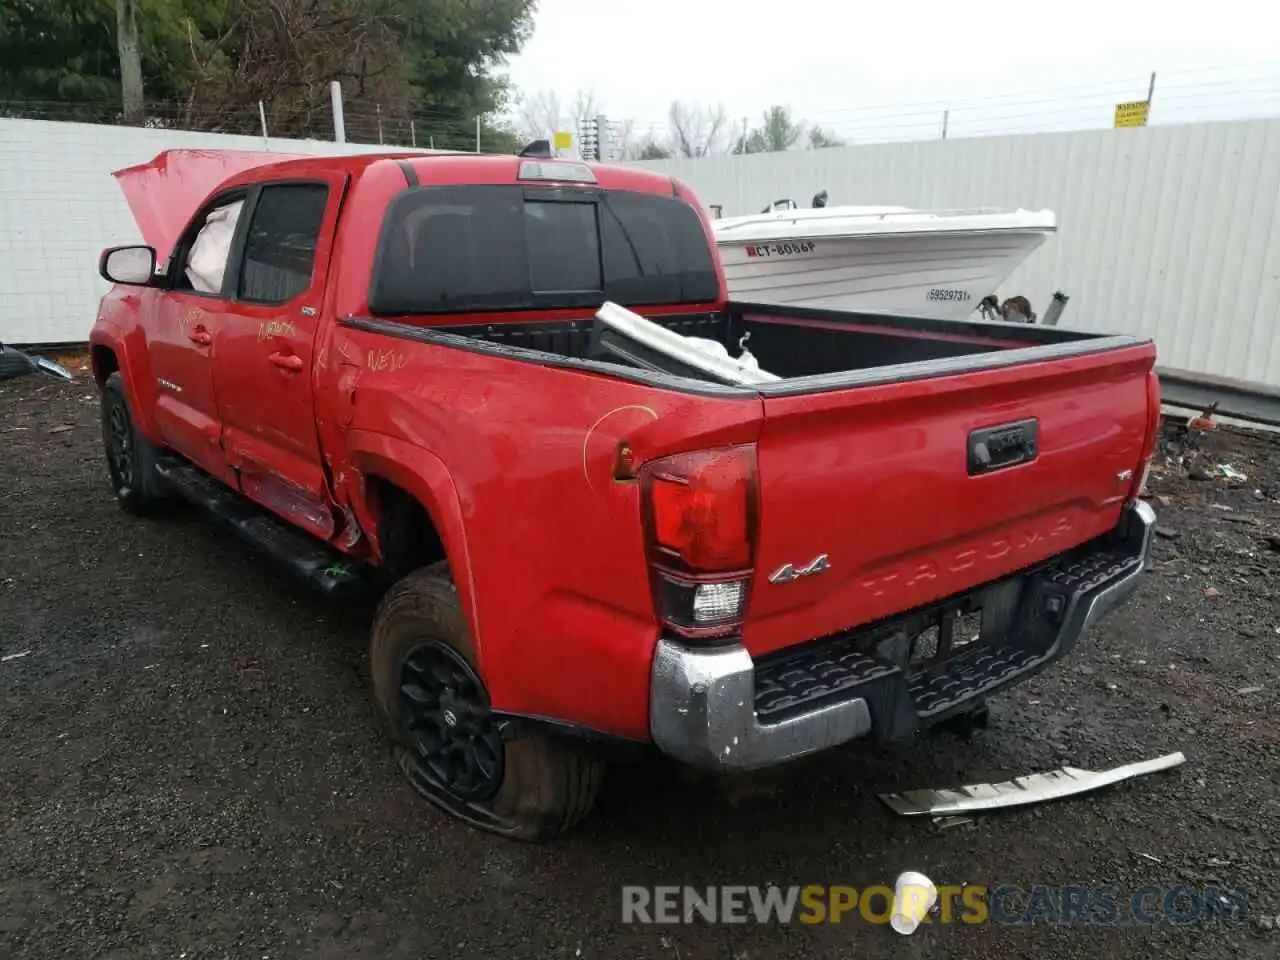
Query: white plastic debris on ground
x=913, y=897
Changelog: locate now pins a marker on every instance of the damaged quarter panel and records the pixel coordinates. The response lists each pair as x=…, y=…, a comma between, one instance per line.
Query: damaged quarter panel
x=550, y=544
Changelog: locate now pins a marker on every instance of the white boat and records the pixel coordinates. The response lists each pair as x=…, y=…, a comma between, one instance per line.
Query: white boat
x=877, y=259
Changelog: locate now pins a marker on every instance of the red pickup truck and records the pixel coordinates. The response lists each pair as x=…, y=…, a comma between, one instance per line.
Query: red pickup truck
x=389, y=370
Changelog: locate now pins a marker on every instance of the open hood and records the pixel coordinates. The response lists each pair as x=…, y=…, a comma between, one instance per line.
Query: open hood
x=164, y=193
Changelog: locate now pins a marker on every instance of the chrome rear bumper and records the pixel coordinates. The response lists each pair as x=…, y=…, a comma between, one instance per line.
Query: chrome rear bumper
x=715, y=707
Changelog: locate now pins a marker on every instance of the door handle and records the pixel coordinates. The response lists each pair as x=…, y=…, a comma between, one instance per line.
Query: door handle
x=287, y=361
x=201, y=336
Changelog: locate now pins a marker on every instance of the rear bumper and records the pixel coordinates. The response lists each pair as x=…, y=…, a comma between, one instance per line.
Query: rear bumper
x=718, y=708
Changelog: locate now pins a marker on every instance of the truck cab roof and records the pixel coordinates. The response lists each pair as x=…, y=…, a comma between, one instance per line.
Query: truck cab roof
x=165, y=192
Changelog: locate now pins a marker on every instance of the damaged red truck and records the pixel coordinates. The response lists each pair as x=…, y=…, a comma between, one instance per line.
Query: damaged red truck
x=386, y=369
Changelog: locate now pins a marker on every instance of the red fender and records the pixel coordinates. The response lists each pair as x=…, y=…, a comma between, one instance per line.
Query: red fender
x=134, y=364
x=424, y=476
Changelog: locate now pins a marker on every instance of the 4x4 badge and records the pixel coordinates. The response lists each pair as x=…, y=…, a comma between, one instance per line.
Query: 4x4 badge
x=789, y=571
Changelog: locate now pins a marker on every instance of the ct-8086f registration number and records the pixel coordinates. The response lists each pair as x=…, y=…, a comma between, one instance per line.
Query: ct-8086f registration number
x=780, y=249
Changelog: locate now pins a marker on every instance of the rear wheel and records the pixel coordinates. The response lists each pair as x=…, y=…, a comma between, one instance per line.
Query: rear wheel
x=131, y=458
x=451, y=747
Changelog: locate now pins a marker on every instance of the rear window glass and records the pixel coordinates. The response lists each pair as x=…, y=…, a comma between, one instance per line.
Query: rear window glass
x=457, y=249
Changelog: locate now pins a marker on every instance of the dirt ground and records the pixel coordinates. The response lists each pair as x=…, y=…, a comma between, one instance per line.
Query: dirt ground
x=190, y=767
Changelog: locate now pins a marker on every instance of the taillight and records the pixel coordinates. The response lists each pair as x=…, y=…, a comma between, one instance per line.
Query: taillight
x=700, y=516
x=1153, y=433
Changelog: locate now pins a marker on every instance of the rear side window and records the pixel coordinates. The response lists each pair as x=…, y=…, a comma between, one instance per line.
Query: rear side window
x=280, y=246
x=473, y=248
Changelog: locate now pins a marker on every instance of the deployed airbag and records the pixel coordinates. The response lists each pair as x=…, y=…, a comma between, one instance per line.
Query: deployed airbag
x=209, y=254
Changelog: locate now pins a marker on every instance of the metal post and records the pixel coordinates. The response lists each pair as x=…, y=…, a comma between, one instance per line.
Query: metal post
x=477, y=134
x=339, y=125
x=1151, y=92
x=262, y=115
x=413, y=134
x=377, y=109
x=604, y=148
x=946, y=115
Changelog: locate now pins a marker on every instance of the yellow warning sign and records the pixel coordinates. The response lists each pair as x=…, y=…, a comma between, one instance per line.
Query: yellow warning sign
x=1133, y=114
x=562, y=140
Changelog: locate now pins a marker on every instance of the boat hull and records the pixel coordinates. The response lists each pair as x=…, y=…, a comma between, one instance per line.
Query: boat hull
x=943, y=275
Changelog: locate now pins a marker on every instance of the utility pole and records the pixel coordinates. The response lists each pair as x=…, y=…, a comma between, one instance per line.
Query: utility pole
x=946, y=115
x=1151, y=92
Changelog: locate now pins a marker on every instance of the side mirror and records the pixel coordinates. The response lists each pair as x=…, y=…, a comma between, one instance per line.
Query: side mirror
x=133, y=265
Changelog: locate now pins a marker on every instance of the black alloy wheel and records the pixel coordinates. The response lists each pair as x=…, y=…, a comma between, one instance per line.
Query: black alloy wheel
x=454, y=745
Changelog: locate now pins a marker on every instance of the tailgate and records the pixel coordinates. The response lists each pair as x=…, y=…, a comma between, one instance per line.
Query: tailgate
x=886, y=482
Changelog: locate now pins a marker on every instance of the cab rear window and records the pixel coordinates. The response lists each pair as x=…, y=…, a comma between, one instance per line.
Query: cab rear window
x=470, y=248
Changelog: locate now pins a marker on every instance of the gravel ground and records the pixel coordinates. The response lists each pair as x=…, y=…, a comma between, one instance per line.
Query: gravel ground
x=190, y=767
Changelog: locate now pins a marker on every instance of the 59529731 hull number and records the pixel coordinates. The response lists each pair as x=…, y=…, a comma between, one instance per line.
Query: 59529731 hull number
x=941, y=293
x=780, y=249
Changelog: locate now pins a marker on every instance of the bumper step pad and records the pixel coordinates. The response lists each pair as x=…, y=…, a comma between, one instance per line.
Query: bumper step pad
x=1056, y=598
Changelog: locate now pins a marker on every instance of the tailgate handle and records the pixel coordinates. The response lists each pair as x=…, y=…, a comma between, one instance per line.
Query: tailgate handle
x=995, y=448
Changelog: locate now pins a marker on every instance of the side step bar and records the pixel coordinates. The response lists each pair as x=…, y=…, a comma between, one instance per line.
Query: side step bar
x=315, y=562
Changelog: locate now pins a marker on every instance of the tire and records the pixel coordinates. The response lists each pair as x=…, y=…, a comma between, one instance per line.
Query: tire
x=532, y=786
x=131, y=458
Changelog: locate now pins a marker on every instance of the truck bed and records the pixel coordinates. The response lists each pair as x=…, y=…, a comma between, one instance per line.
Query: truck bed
x=795, y=342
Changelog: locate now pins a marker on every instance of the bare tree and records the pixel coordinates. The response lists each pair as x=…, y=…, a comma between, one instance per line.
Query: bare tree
x=540, y=115
x=130, y=60
x=284, y=53
x=585, y=105
x=696, y=130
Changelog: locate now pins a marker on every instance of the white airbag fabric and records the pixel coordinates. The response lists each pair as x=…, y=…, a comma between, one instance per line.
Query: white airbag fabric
x=209, y=254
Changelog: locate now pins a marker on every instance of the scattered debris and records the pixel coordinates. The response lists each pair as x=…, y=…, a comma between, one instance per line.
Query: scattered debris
x=1220, y=506
x=1231, y=473
x=1035, y=788
x=1199, y=473
x=946, y=823
x=1204, y=419
x=1245, y=691
x=61, y=429
x=13, y=656
x=913, y=897
x=1147, y=856
x=1213, y=592
x=1217, y=862
x=1168, y=533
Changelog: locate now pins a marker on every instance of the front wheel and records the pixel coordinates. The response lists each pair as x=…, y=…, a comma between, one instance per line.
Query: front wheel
x=449, y=745
x=131, y=458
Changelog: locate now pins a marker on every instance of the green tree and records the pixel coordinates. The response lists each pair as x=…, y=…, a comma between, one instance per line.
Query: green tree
x=210, y=62
x=650, y=149
x=777, y=132
x=819, y=139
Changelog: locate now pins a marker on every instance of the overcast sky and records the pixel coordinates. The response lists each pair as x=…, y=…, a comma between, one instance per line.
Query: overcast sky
x=873, y=71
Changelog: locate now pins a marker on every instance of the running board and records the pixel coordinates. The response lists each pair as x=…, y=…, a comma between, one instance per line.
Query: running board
x=316, y=562
x=1036, y=788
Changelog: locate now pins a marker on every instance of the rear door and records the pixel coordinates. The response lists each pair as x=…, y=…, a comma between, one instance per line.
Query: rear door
x=264, y=363
x=914, y=491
